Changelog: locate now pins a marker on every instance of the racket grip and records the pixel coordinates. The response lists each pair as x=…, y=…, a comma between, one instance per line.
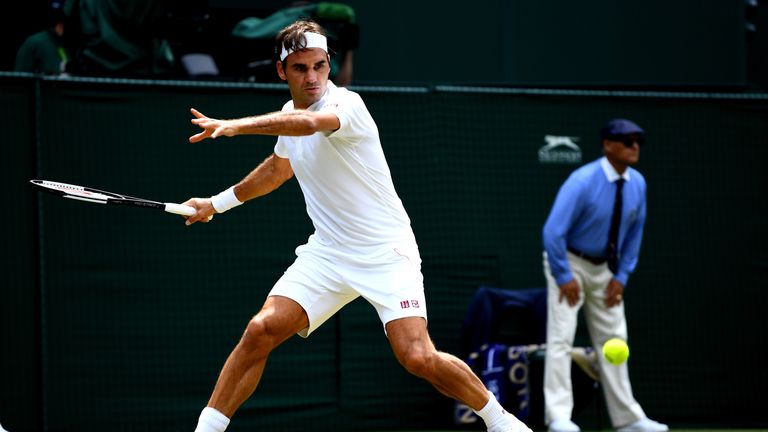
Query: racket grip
x=180, y=209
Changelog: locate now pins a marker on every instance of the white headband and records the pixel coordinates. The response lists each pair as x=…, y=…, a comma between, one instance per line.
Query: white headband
x=313, y=40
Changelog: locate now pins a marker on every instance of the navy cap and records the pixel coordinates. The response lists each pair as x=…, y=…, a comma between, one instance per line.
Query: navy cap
x=620, y=127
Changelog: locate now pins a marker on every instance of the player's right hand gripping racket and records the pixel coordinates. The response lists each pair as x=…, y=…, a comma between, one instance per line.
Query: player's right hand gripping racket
x=87, y=194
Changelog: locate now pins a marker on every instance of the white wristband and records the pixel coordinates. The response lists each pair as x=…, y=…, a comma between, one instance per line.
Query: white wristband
x=225, y=200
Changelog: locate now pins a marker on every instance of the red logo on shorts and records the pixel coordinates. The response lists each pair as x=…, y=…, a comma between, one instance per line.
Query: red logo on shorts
x=405, y=304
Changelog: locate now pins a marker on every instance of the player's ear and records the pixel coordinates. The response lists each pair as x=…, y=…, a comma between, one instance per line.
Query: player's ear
x=281, y=70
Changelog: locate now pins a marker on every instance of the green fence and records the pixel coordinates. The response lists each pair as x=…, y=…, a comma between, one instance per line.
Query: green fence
x=119, y=318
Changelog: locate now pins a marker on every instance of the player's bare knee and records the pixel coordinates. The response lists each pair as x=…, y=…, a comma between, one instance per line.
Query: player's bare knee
x=257, y=340
x=417, y=360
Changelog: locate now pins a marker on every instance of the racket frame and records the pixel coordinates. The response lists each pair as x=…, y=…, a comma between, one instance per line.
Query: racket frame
x=88, y=194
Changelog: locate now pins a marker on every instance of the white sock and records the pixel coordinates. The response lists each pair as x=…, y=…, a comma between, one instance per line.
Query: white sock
x=492, y=413
x=212, y=420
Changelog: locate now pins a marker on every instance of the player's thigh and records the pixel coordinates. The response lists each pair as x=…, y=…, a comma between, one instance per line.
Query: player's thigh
x=316, y=286
x=394, y=288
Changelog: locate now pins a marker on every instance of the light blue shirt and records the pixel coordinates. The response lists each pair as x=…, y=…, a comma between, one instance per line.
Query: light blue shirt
x=581, y=218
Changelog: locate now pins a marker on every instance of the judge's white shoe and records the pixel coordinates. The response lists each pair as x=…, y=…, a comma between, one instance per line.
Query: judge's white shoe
x=563, y=425
x=644, y=425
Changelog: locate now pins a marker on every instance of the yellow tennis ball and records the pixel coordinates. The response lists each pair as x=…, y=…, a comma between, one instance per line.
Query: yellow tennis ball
x=616, y=351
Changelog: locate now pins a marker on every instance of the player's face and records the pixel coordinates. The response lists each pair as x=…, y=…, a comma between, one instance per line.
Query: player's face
x=625, y=151
x=306, y=72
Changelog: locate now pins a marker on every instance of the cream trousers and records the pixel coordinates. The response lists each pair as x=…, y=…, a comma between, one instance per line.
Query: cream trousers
x=603, y=323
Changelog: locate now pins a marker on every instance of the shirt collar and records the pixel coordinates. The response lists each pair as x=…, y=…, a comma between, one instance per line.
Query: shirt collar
x=610, y=171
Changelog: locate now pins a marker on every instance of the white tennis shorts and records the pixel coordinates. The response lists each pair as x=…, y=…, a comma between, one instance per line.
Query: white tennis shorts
x=322, y=281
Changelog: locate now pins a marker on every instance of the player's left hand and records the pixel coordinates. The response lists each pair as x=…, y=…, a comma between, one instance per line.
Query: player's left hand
x=212, y=127
x=614, y=293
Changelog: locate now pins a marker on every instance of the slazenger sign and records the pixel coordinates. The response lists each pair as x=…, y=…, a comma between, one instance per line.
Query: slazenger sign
x=560, y=149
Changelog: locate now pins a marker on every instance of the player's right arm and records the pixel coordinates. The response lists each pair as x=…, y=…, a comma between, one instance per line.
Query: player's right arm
x=266, y=177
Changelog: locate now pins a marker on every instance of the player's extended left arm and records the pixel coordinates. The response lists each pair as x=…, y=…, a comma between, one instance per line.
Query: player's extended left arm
x=630, y=250
x=285, y=123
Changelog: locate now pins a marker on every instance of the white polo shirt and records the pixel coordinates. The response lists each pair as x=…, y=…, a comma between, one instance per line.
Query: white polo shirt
x=346, y=181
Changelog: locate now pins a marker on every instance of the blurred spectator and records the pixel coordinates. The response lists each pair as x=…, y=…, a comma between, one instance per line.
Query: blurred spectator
x=44, y=52
x=256, y=37
x=119, y=38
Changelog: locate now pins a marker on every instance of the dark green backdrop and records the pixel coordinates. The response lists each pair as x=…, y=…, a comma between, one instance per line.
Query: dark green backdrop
x=643, y=43
x=119, y=318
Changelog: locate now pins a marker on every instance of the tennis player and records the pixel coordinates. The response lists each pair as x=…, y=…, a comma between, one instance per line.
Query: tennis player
x=363, y=244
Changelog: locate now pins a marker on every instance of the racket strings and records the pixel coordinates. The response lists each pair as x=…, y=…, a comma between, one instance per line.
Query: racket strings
x=74, y=190
x=62, y=186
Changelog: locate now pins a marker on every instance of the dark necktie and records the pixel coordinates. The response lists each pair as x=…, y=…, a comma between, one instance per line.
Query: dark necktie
x=613, y=233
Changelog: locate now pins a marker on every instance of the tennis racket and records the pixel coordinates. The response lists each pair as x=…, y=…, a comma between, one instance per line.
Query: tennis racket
x=91, y=195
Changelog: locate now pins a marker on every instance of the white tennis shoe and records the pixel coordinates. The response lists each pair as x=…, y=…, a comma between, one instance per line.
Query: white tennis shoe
x=510, y=424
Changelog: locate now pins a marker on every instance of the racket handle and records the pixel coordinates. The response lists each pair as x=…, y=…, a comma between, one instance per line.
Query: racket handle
x=180, y=209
